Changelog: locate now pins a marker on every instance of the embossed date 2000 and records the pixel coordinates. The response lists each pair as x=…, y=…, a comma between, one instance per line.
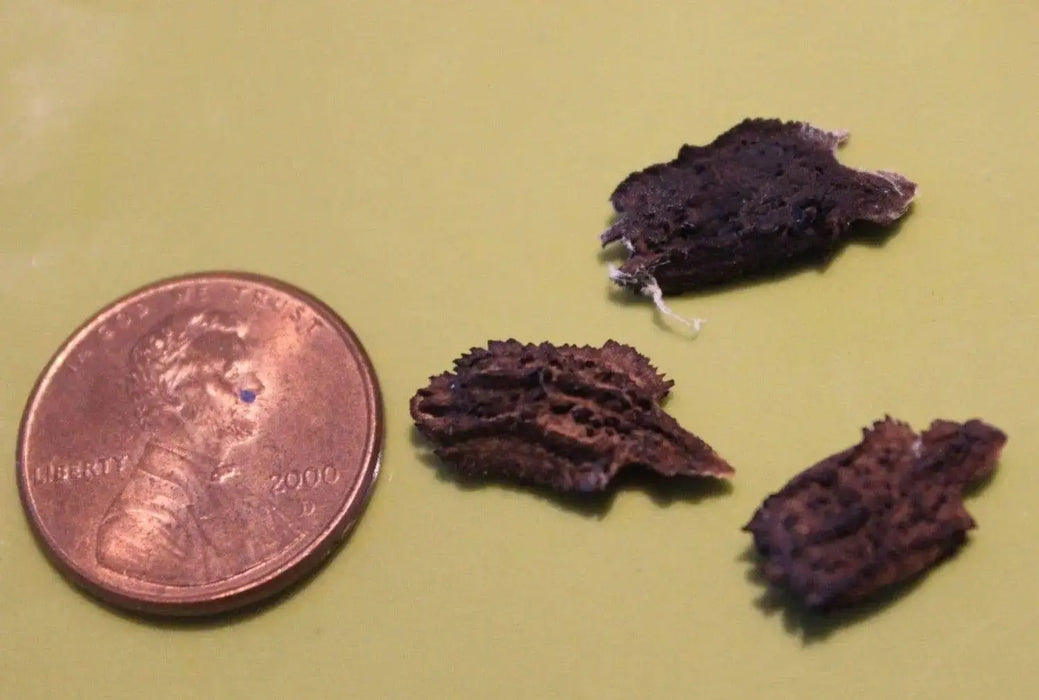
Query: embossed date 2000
x=299, y=479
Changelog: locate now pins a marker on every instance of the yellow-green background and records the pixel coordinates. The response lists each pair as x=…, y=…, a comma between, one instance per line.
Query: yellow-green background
x=438, y=173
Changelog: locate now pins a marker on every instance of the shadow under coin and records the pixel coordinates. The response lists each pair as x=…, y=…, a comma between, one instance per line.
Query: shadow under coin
x=219, y=619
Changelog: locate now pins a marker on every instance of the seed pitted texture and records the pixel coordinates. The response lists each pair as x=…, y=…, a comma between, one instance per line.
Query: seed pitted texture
x=878, y=513
x=569, y=418
x=763, y=197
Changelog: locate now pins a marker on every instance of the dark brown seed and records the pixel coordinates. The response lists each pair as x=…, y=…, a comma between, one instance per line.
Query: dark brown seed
x=763, y=197
x=567, y=417
x=878, y=513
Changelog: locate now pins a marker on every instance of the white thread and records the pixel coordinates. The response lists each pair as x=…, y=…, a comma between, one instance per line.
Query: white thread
x=651, y=289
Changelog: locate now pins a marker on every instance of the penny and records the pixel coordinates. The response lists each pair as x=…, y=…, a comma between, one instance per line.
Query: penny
x=200, y=444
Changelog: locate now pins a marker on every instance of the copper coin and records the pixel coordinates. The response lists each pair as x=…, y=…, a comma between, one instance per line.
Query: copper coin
x=200, y=444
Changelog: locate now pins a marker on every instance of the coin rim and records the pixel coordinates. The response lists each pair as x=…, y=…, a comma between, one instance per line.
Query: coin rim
x=321, y=546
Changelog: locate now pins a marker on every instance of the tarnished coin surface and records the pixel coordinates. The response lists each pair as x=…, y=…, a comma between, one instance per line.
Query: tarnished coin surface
x=200, y=444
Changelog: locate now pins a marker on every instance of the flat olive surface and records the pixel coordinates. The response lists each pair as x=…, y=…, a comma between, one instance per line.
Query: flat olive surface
x=438, y=173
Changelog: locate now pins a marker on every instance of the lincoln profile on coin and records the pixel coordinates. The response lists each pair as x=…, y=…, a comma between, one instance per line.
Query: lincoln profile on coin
x=184, y=517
